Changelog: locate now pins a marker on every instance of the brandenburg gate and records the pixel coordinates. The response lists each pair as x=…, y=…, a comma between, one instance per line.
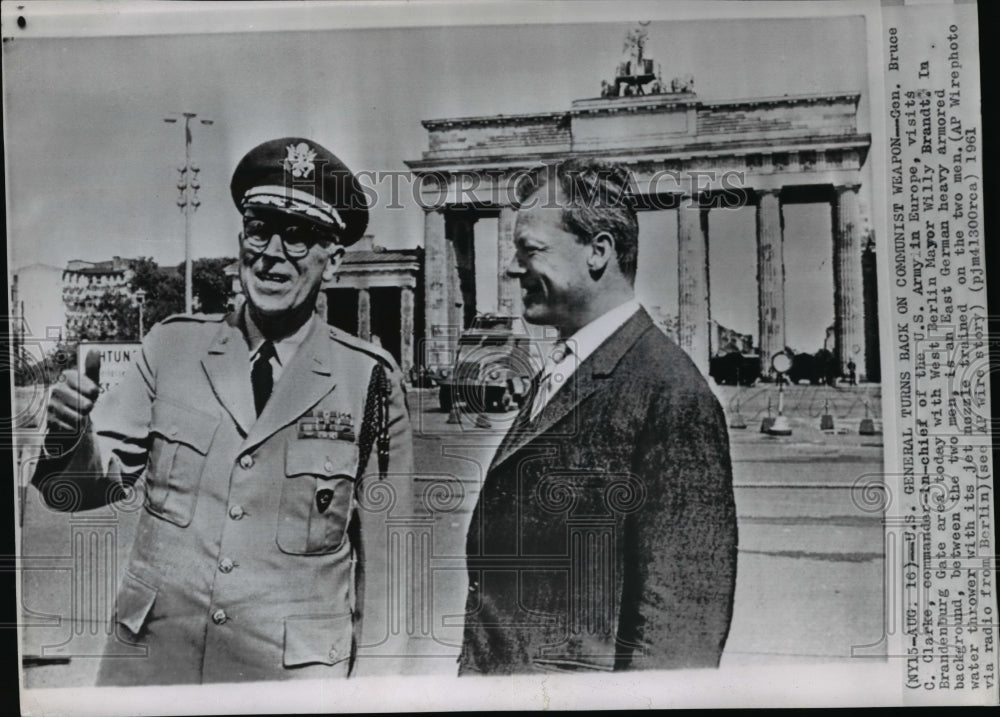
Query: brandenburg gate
x=686, y=155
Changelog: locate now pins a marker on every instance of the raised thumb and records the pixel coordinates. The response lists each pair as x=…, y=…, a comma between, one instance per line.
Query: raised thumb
x=92, y=366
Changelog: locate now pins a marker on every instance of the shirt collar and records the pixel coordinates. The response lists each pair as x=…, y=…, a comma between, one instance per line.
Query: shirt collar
x=284, y=349
x=586, y=340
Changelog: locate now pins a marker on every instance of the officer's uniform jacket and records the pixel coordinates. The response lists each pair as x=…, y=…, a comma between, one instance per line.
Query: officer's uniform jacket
x=244, y=560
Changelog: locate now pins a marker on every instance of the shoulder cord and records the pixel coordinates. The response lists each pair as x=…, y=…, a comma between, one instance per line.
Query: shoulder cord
x=374, y=430
x=375, y=424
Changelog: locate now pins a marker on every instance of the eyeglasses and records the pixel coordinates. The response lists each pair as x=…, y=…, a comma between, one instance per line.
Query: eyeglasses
x=296, y=239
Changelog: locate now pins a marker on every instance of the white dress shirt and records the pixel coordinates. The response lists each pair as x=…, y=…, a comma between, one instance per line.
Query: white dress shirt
x=573, y=351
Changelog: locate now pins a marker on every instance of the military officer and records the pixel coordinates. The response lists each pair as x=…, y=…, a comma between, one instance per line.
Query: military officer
x=273, y=447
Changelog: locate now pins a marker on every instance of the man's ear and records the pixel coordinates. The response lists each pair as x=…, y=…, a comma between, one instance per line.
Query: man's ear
x=335, y=254
x=602, y=248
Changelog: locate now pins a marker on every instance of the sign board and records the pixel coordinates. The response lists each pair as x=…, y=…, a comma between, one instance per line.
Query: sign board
x=116, y=359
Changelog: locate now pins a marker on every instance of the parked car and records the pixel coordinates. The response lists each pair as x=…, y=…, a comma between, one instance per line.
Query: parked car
x=735, y=368
x=815, y=368
x=494, y=363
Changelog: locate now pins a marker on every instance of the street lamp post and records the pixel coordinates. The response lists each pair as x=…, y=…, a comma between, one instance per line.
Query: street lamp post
x=140, y=299
x=781, y=363
x=188, y=200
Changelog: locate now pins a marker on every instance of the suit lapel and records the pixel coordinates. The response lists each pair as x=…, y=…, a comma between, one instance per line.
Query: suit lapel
x=515, y=434
x=588, y=377
x=227, y=366
x=303, y=383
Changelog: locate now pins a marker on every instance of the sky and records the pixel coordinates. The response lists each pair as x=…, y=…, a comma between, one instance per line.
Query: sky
x=92, y=165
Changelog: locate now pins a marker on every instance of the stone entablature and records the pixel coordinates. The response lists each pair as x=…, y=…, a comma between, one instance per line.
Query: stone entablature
x=675, y=124
x=377, y=268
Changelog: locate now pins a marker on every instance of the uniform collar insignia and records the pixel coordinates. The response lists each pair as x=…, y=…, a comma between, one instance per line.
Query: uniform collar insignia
x=300, y=160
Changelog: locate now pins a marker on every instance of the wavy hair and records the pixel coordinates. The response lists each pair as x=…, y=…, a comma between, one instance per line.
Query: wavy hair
x=595, y=197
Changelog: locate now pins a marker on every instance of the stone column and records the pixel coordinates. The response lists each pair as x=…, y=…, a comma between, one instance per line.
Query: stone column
x=849, y=315
x=436, y=298
x=406, y=357
x=693, y=311
x=462, y=268
x=508, y=289
x=770, y=277
x=869, y=280
x=364, y=314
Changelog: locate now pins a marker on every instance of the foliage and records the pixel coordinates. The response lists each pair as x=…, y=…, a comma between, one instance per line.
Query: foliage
x=116, y=313
x=164, y=290
x=211, y=288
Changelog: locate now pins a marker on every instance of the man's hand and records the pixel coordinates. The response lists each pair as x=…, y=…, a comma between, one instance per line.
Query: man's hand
x=72, y=399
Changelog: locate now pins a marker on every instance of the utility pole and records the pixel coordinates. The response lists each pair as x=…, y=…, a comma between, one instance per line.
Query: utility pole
x=140, y=299
x=188, y=200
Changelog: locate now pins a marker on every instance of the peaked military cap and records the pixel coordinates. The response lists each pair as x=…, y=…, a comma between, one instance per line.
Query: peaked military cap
x=298, y=176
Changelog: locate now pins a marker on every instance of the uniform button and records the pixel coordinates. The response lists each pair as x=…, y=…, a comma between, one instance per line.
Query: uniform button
x=246, y=461
x=473, y=586
x=333, y=653
x=173, y=430
x=219, y=617
x=328, y=467
x=236, y=512
x=226, y=565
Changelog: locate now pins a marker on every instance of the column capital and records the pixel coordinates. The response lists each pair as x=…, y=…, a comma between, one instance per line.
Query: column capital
x=846, y=187
x=768, y=192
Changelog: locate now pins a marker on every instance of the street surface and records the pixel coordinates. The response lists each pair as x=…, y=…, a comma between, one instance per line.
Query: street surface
x=810, y=575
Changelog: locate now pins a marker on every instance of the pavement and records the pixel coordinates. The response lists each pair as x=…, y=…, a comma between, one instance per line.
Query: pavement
x=810, y=572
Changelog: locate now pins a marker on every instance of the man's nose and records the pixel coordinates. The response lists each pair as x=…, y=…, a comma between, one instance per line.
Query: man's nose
x=514, y=268
x=274, y=247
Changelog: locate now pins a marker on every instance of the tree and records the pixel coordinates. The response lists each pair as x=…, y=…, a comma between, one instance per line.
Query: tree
x=164, y=290
x=209, y=284
x=164, y=287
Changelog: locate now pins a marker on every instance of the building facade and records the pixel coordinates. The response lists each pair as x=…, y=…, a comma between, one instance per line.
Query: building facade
x=687, y=156
x=84, y=285
x=377, y=295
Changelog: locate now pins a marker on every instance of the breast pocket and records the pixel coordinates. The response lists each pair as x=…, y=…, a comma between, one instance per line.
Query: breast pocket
x=181, y=439
x=316, y=496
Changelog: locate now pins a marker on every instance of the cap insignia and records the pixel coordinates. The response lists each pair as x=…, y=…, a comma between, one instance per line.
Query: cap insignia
x=300, y=160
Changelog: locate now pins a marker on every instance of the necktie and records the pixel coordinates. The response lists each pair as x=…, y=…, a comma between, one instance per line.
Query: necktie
x=262, y=376
x=548, y=383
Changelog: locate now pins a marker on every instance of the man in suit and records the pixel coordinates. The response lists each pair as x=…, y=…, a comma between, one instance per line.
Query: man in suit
x=605, y=533
x=269, y=442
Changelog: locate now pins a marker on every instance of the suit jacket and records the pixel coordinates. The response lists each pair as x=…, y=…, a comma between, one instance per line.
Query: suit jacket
x=244, y=561
x=605, y=532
